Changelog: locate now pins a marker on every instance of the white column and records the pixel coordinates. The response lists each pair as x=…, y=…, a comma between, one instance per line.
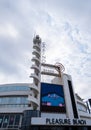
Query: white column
x=69, y=110
x=34, y=98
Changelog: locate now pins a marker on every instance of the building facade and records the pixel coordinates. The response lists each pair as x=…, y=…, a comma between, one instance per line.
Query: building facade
x=42, y=105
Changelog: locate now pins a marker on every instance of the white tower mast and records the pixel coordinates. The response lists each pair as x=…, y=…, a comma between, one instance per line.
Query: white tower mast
x=34, y=96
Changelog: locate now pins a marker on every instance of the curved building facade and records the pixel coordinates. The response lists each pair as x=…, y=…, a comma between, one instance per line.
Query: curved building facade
x=14, y=96
x=15, y=108
x=13, y=101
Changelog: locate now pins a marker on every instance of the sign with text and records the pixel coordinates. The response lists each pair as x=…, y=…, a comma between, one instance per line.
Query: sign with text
x=66, y=121
x=60, y=121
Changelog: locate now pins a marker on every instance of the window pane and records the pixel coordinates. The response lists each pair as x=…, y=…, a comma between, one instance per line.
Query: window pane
x=13, y=88
x=11, y=120
x=0, y=100
x=17, y=119
x=18, y=100
x=1, y=120
x=11, y=101
x=5, y=121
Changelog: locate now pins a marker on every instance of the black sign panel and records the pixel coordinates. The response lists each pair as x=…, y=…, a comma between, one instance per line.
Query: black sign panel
x=89, y=102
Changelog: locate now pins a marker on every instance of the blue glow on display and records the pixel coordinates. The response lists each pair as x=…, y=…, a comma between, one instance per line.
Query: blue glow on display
x=52, y=95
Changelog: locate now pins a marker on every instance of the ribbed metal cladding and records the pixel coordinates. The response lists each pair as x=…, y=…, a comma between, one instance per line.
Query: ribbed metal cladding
x=36, y=75
x=26, y=119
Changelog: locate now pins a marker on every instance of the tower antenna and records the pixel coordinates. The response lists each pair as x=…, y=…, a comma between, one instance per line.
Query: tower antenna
x=43, y=52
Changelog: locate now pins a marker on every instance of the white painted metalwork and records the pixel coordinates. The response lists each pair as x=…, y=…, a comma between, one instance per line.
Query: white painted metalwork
x=36, y=66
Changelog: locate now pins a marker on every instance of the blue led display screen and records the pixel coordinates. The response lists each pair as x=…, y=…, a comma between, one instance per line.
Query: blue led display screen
x=52, y=98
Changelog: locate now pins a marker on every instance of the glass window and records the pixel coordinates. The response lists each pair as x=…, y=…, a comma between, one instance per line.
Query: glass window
x=18, y=101
x=5, y=100
x=1, y=120
x=24, y=100
x=0, y=100
x=17, y=119
x=1, y=89
x=13, y=101
x=81, y=107
x=14, y=88
x=5, y=121
x=11, y=120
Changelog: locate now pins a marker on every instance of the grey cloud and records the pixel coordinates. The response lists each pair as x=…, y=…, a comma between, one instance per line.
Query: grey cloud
x=14, y=51
x=12, y=54
x=75, y=11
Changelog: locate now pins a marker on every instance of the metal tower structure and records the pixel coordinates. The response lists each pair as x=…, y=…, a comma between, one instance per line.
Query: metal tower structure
x=34, y=96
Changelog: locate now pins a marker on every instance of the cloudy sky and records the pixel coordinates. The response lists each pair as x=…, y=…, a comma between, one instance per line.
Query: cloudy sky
x=65, y=27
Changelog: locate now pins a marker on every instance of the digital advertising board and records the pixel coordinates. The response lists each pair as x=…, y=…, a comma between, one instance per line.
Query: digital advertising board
x=89, y=102
x=52, y=98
